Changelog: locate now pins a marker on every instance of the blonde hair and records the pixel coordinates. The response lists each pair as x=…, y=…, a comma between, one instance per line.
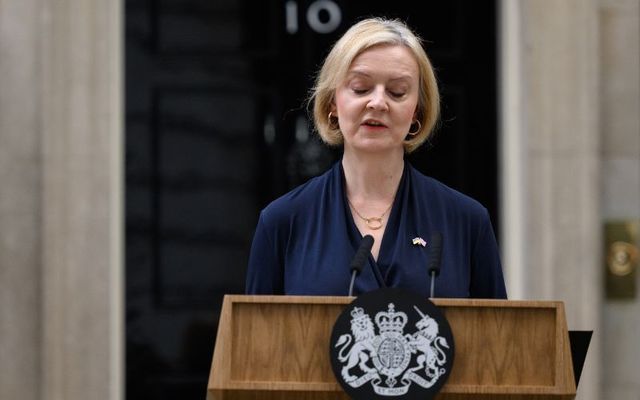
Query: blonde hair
x=360, y=37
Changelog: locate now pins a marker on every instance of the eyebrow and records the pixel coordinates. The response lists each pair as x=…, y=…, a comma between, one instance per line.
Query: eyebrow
x=403, y=77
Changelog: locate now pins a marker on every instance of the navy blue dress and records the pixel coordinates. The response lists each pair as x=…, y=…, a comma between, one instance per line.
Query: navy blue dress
x=306, y=239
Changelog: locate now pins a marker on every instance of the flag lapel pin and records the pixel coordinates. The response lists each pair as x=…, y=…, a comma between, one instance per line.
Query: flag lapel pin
x=419, y=241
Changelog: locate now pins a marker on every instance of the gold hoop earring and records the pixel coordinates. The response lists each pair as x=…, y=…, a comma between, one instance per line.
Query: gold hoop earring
x=414, y=132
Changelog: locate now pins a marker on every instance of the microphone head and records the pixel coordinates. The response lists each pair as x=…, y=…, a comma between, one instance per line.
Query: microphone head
x=362, y=254
x=367, y=241
x=436, y=240
x=436, y=253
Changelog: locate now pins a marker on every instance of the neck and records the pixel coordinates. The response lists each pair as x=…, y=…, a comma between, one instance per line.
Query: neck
x=372, y=176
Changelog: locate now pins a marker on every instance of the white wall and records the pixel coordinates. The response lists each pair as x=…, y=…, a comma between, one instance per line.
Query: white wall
x=620, y=183
x=570, y=142
x=61, y=308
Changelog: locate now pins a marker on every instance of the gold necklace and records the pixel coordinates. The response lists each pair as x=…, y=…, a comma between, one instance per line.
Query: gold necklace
x=373, y=223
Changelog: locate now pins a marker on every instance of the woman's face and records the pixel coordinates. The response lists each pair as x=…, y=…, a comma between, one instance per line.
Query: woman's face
x=377, y=101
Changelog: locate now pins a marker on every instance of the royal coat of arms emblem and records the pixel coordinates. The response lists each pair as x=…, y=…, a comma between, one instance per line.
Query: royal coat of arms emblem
x=378, y=352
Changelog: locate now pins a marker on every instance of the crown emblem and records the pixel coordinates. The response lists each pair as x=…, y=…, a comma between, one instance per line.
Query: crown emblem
x=358, y=314
x=391, y=321
x=379, y=354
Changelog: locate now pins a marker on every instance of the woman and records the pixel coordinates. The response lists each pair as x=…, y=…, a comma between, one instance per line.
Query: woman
x=376, y=95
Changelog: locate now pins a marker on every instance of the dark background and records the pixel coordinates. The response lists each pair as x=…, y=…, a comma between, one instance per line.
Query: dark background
x=217, y=126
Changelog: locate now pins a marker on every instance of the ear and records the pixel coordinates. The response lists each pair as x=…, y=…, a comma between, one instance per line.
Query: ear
x=332, y=104
x=417, y=116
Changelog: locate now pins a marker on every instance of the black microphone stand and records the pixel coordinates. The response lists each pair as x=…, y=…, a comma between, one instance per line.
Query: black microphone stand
x=353, y=280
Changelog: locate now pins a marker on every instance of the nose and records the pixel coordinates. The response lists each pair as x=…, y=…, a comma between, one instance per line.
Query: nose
x=378, y=101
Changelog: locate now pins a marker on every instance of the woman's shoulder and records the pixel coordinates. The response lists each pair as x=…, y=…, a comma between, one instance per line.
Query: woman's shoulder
x=300, y=200
x=432, y=190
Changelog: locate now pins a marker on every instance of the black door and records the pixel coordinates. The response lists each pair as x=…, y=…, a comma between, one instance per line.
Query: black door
x=216, y=127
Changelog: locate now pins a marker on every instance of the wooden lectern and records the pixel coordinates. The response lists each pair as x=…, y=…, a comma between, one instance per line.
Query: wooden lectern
x=277, y=347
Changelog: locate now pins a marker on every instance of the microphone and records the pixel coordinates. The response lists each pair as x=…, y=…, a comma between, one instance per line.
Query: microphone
x=434, y=262
x=359, y=259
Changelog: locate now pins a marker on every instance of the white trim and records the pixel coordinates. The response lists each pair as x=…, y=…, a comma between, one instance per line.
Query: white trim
x=117, y=296
x=512, y=147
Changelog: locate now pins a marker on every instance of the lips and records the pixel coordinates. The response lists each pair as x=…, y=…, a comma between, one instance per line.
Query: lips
x=373, y=123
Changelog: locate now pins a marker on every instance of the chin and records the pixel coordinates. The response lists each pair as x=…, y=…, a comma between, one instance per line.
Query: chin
x=378, y=147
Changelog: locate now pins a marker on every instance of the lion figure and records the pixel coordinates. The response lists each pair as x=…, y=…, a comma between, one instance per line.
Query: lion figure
x=362, y=349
